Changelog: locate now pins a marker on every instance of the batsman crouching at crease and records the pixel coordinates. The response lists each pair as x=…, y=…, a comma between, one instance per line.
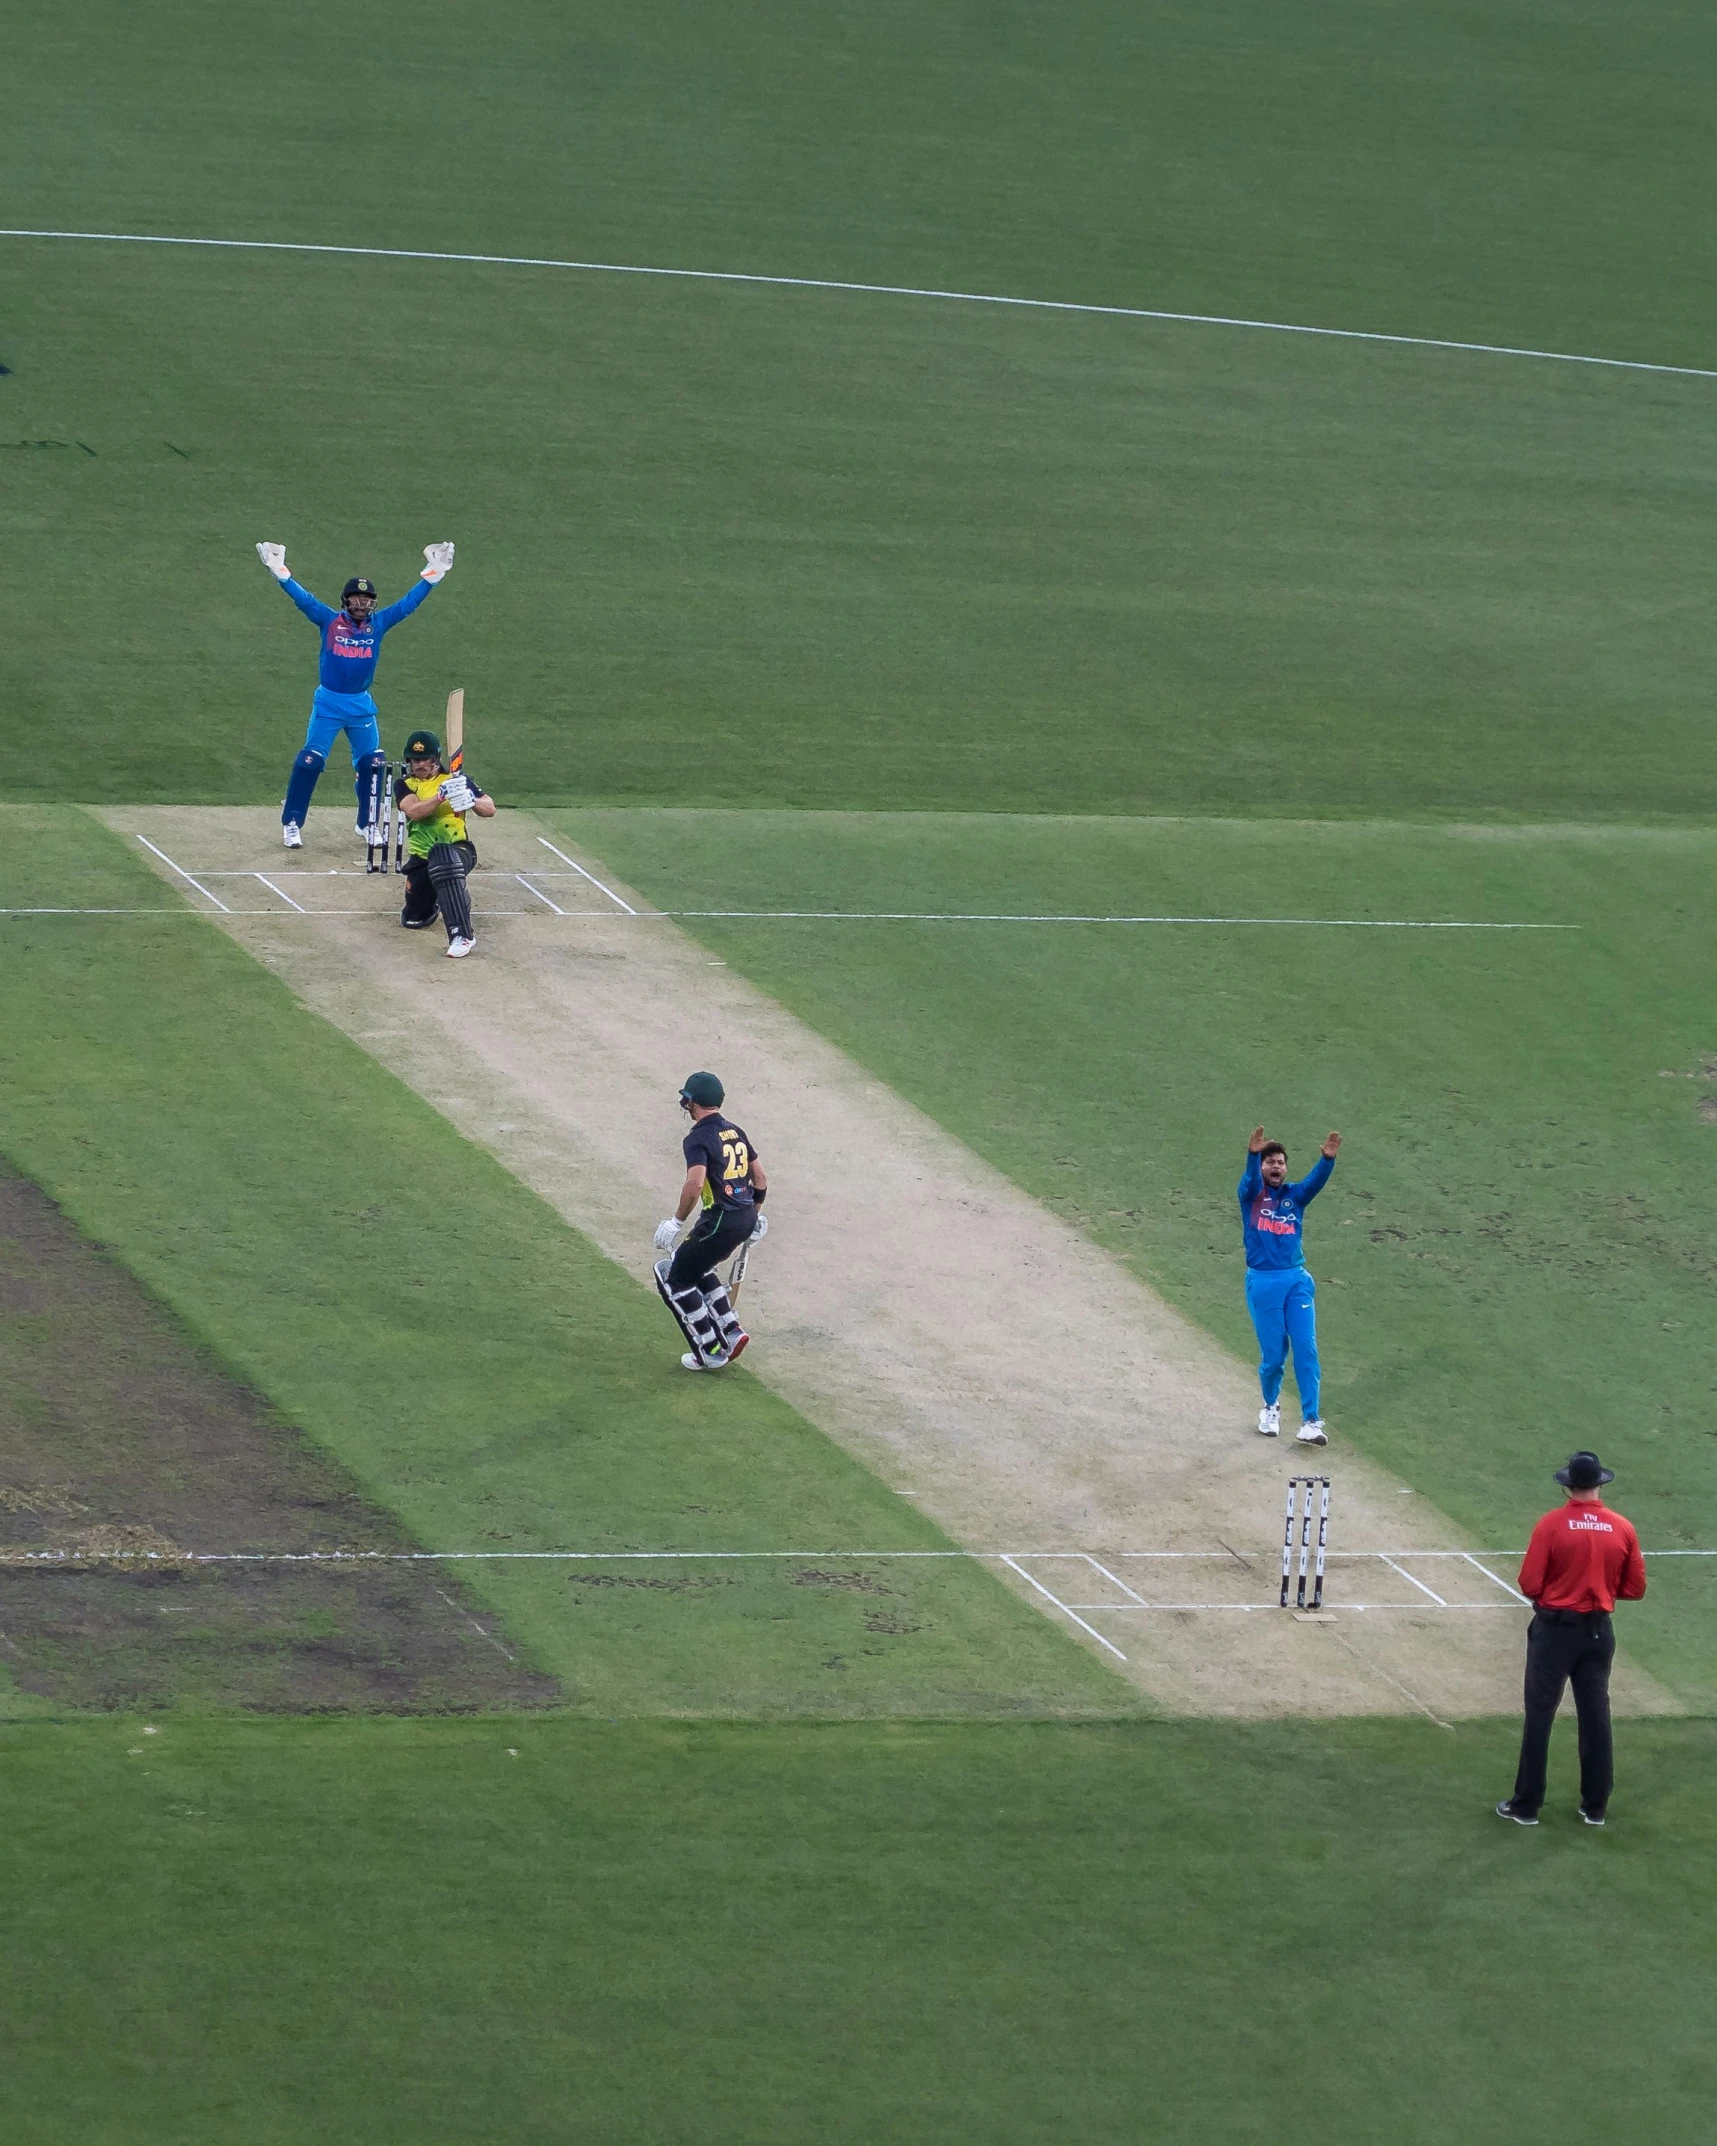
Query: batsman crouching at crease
x=439, y=856
x=1581, y=1559
x=721, y=1200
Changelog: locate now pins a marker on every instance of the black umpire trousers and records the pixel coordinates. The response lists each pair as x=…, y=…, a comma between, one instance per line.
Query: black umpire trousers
x=695, y=1262
x=1567, y=1647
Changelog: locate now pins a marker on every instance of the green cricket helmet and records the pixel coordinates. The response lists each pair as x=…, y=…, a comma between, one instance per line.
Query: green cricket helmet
x=704, y=1090
x=423, y=745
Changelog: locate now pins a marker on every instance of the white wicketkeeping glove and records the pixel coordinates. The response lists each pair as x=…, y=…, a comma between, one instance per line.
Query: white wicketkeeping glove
x=438, y=560
x=457, y=792
x=273, y=556
x=760, y=1229
x=666, y=1232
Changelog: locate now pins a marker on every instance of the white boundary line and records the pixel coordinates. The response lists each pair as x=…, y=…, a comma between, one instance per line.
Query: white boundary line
x=875, y=290
x=591, y=876
x=183, y=874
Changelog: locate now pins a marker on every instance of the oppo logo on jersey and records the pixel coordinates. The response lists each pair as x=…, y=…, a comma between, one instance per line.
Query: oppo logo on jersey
x=1266, y=1218
x=343, y=639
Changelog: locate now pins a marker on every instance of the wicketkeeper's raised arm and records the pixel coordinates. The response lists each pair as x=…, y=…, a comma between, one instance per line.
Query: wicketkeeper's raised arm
x=437, y=564
x=273, y=556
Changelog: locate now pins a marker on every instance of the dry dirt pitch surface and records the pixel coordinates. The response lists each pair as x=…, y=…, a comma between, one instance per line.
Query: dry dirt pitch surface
x=1007, y=1375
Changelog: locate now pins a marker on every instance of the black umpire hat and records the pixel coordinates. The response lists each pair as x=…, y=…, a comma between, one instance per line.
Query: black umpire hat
x=1584, y=1472
x=359, y=585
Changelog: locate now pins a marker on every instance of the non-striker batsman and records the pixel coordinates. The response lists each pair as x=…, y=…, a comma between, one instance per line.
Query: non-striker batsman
x=720, y=1209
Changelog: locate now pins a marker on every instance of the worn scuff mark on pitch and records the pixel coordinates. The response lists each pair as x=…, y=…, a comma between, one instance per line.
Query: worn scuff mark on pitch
x=855, y=1582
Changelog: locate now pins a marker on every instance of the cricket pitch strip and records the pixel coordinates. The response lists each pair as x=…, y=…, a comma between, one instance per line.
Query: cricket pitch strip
x=981, y=1356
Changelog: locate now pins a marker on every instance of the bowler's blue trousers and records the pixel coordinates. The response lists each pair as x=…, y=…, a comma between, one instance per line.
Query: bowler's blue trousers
x=1283, y=1304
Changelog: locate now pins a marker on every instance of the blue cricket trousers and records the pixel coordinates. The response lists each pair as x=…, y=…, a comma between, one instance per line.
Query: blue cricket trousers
x=330, y=714
x=1283, y=1304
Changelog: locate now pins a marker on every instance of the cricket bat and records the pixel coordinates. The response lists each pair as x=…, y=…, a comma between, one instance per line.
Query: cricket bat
x=456, y=730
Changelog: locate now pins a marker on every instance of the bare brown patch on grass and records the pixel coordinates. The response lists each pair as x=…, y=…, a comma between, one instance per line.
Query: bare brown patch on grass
x=123, y=1450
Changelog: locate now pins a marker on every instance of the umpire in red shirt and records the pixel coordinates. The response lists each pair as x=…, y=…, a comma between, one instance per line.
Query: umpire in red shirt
x=1580, y=1558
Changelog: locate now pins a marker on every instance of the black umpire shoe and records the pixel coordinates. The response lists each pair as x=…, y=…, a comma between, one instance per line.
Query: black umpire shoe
x=1513, y=1810
x=1591, y=1818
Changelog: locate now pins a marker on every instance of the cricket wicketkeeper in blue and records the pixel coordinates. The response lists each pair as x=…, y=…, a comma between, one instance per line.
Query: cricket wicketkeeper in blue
x=1280, y=1294
x=351, y=645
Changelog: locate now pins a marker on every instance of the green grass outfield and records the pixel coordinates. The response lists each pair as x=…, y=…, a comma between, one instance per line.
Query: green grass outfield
x=749, y=545
x=474, y=1362
x=1513, y=1257
x=1182, y=1933
x=753, y=547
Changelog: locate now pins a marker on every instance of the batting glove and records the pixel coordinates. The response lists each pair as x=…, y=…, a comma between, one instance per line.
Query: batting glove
x=438, y=560
x=458, y=793
x=760, y=1229
x=666, y=1232
x=273, y=556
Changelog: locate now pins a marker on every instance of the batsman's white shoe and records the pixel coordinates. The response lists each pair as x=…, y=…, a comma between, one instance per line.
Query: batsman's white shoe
x=689, y=1362
x=457, y=949
x=1270, y=1421
x=1312, y=1434
x=293, y=835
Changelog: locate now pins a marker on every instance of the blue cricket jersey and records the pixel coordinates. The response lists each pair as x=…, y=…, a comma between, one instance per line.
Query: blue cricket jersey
x=1272, y=1220
x=350, y=651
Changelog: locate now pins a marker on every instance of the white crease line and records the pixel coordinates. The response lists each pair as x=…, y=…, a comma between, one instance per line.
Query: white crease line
x=459, y=1610
x=1406, y=1575
x=281, y=891
x=1115, y=1580
x=658, y=916
x=591, y=876
x=1417, y=1609
x=1403, y=1689
x=961, y=916
x=1066, y=1612
x=1489, y=1575
x=183, y=874
x=445, y=1557
x=877, y=290
x=538, y=892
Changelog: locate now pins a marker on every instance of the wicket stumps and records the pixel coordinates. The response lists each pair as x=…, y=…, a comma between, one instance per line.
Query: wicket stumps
x=384, y=838
x=1309, y=1483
